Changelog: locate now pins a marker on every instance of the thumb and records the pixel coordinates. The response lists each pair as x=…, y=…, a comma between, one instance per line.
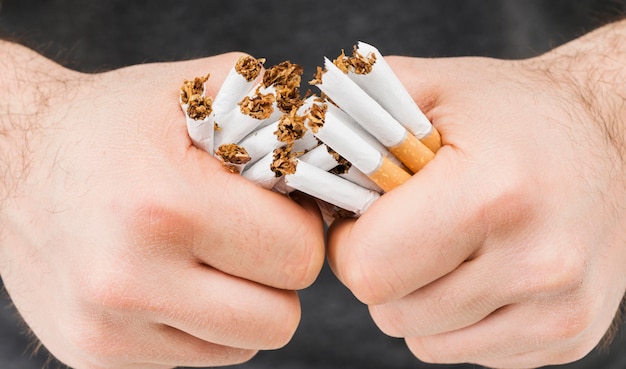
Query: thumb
x=411, y=236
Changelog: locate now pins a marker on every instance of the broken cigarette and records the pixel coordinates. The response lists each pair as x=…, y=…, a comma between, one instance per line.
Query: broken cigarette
x=368, y=68
x=238, y=83
x=374, y=118
x=290, y=128
x=233, y=157
x=331, y=188
x=260, y=173
x=325, y=158
x=198, y=111
x=245, y=118
x=336, y=134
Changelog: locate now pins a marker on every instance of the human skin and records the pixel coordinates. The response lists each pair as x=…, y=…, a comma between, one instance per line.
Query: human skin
x=509, y=248
x=122, y=245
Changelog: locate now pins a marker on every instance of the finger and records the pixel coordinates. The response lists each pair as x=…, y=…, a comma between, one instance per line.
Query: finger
x=166, y=347
x=259, y=235
x=412, y=235
x=516, y=336
x=184, y=349
x=228, y=311
x=462, y=298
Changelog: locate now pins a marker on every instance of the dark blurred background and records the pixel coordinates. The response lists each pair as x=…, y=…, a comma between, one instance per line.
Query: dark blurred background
x=336, y=331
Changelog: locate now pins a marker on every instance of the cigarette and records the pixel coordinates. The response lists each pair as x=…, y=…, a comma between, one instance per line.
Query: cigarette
x=285, y=78
x=331, y=130
x=233, y=157
x=327, y=159
x=331, y=188
x=260, y=173
x=270, y=171
x=358, y=129
x=290, y=128
x=346, y=94
x=238, y=83
x=369, y=69
x=245, y=118
x=199, y=115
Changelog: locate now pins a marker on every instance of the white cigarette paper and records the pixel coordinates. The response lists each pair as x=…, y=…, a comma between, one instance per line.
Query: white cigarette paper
x=239, y=81
x=200, y=131
x=359, y=105
x=338, y=135
x=243, y=119
x=260, y=172
x=321, y=158
x=383, y=85
x=331, y=188
x=359, y=130
x=261, y=141
x=198, y=110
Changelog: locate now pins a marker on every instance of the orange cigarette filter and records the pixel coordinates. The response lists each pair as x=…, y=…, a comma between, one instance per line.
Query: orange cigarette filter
x=432, y=140
x=412, y=153
x=389, y=175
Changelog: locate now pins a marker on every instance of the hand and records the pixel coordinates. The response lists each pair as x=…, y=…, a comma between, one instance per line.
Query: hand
x=122, y=244
x=508, y=249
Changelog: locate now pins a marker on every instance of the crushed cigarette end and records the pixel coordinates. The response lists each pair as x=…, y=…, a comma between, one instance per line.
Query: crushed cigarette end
x=356, y=63
x=199, y=107
x=288, y=99
x=317, y=78
x=291, y=127
x=249, y=67
x=316, y=116
x=191, y=88
x=285, y=161
x=285, y=74
x=260, y=106
x=286, y=78
x=232, y=155
x=343, y=165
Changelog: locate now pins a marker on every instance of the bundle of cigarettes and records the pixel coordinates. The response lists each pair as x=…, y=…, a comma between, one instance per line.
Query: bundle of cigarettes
x=363, y=136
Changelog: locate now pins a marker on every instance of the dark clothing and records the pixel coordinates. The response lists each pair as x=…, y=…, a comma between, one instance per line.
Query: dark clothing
x=336, y=330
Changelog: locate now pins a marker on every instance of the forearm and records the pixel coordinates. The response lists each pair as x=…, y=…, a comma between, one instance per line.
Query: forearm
x=29, y=86
x=593, y=69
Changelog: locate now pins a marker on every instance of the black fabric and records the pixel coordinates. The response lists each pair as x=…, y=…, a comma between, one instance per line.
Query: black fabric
x=336, y=331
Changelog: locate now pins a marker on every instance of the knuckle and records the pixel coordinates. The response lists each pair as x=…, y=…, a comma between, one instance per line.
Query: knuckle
x=508, y=202
x=111, y=289
x=153, y=223
x=557, y=270
x=573, y=325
